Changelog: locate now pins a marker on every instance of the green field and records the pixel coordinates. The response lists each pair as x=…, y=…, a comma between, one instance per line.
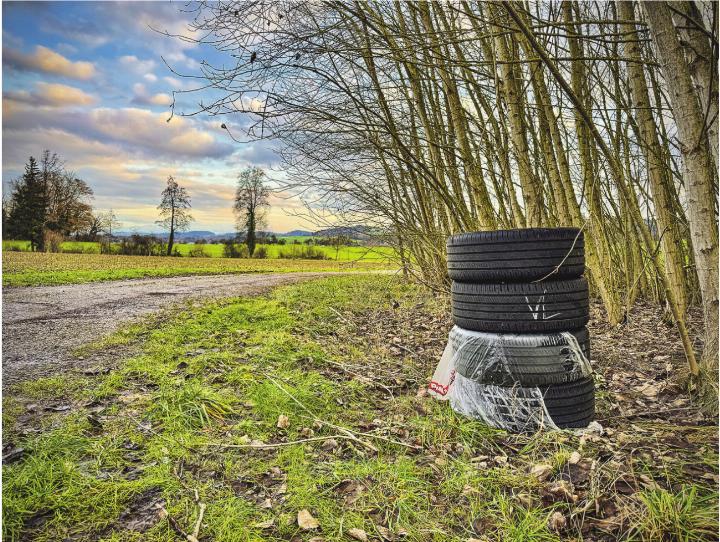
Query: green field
x=215, y=250
x=41, y=268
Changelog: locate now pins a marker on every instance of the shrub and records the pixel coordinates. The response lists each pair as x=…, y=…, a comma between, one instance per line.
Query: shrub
x=303, y=253
x=141, y=245
x=260, y=253
x=106, y=246
x=234, y=250
x=198, y=251
x=53, y=241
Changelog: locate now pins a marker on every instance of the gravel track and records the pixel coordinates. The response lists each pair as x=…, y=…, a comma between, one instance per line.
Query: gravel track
x=43, y=325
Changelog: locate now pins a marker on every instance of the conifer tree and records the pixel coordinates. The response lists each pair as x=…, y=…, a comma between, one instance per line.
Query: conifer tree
x=26, y=218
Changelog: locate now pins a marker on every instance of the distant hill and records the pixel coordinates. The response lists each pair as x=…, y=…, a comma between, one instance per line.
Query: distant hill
x=360, y=233
x=354, y=232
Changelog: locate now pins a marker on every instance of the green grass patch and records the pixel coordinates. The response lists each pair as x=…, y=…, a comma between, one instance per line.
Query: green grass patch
x=223, y=373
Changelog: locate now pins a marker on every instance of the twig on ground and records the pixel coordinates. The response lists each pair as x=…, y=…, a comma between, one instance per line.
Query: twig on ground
x=277, y=444
x=176, y=526
x=351, y=435
x=648, y=413
x=376, y=382
x=201, y=514
x=339, y=315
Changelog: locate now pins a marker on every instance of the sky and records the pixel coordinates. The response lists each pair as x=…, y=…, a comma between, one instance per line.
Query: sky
x=87, y=80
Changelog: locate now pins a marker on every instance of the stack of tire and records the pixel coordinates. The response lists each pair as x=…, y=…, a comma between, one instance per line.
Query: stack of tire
x=524, y=292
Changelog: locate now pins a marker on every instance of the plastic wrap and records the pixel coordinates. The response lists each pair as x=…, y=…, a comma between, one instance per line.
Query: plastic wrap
x=503, y=359
x=473, y=362
x=515, y=408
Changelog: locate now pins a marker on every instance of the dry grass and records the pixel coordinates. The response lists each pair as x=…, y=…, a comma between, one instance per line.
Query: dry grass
x=31, y=269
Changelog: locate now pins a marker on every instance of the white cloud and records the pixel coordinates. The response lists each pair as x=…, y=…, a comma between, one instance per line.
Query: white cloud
x=137, y=65
x=46, y=60
x=143, y=97
x=53, y=95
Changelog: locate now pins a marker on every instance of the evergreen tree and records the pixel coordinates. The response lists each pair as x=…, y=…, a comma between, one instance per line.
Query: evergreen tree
x=28, y=207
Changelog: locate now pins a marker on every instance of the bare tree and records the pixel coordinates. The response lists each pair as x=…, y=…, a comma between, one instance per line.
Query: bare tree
x=251, y=199
x=174, y=211
x=426, y=119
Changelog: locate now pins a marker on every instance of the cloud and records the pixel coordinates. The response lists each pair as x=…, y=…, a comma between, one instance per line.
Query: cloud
x=138, y=66
x=143, y=97
x=46, y=60
x=150, y=77
x=52, y=95
x=137, y=131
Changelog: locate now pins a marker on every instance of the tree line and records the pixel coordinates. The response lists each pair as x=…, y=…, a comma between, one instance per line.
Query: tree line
x=431, y=118
x=48, y=204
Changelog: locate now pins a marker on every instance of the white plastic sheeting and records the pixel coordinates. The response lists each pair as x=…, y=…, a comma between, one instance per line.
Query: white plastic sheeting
x=514, y=408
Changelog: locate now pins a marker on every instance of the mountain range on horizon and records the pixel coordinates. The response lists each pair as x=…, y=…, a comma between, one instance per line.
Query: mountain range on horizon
x=357, y=232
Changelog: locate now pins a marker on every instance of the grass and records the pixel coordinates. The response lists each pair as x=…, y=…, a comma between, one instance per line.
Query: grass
x=343, y=253
x=31, y=269
x=223, y=373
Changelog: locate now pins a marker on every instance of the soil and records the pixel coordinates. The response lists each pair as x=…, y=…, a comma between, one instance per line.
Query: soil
x=43, y=325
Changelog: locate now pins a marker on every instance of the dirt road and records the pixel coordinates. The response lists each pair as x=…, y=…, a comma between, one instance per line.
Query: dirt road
x=43, y=325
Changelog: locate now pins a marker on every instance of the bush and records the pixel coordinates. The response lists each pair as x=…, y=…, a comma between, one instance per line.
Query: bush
x=53, y=241
x=106, y=246
x=303, y=253
x=260, y=253
x=234, y=250
x=198, y=251
x=142, y=245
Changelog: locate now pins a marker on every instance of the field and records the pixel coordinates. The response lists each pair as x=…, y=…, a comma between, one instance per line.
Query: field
x=303, y=414
x=215, y=250
x=31, y=269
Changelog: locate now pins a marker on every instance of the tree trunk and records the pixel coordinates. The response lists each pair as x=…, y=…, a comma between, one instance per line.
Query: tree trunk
x=698, y=170
x=658, y=170
x=511, y=90
x=703, y=66
x=171, y=237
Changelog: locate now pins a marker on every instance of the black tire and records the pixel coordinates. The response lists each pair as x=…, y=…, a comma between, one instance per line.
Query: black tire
x=516, y=255
x=536, y=307
x=572, y=404
x=520, y=409
x=524, y=360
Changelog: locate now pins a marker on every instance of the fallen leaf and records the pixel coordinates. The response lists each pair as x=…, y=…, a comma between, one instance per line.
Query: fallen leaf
x=61, y=408
x=385, y=533
x=306, y=521
x=574, y=458
x=557, y=521
x=358, y=534
x=541, y=471
x=265, y=524
x=560, y=491
x=329, y=445
x=12, y=455
x=283, y=421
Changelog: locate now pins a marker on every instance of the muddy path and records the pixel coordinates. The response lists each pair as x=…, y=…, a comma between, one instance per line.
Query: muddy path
x=43, y=325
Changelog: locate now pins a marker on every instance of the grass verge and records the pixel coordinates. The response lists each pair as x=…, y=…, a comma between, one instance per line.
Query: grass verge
x=307, y=400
